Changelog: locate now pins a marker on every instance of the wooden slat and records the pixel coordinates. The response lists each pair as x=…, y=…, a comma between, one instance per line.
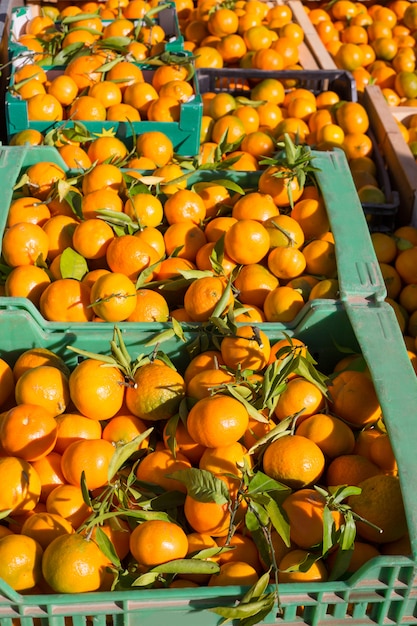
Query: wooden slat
x=315, y=45
x=398, y=156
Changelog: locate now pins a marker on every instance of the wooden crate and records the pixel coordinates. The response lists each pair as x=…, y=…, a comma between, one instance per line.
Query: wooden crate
x=400, y=161
x=315, y=46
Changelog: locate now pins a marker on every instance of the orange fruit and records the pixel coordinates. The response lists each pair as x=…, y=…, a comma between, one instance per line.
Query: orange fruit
x=350, y=469
x=202, y=384
x=255, y=206
x=155, y=542
x=67, y=501
x=24, y=243
x=247, y=241
x=34, y=357
x=158, y=392
x=284, y=230
x=305, y=510
x=27, y=281
x=299, y=396
x=113, y=297
x=88, y=456
x=84, y=70
x=330, y=433
x=353, y=398
x=151, y=306
x=44, y=527
x=28, y=209
x=184, y=205
x=145, y=209
x=123, y=428
x=96, y=390
x=234, y=573
x=155, y=469
x=283, y=304
x=102, y=176
x=202, y=297
x=290, y=571
x=294, y=461
x=312, y=216
x=244, y=549
x=129, y=255
x=282, y=189
x=28, y=431
x=92, y=237
x=286, y=263
x=248, y=348
x=66, y=299
x=49, y=471
x=253, y=283
x=93, y=202
x=22, y=486
x=185, y=238
x=209, y=518
x=223, y=462
x=380, y=502
x=7, y=382
x=217, y=420
x=404, y=265
x=44, y=107
x=109, y=149
x=209, y=359
x=73, y=564
x=21, y=562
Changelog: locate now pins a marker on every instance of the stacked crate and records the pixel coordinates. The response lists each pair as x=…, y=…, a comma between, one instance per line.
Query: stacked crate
x=384, y=590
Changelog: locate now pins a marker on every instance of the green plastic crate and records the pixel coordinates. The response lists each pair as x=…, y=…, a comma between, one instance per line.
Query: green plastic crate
x=167, y=18
x=358, y=269
x=383, y=592
x=184, y=134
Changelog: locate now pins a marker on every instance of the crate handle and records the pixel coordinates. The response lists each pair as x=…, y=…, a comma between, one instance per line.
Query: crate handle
x=9, y=593
x=382, y=345
x=359, y=272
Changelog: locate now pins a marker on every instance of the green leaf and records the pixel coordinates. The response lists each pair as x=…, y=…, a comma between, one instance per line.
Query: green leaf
x=145, y=580
x=106, y=546
x=165, y=501
x=247, y=610
x=341, y=564
x=348, y=532
x=170, y=431
x=164, y=335
x=202, y=485
x=279, y=521
x=187, y=566
x=260, y=512
x=234, y=392
x=178, y=330
x=257, y=590
x=328, y=530
x=72, y=264
x=124, y=452
x=261, y=483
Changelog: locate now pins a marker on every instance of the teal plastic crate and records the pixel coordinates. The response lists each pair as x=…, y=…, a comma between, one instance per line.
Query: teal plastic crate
x=382, y=592
x=359, y=274
x=167, y=18
x=184, y=134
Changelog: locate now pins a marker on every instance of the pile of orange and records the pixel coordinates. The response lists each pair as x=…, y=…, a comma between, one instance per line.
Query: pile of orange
x=60, y=428
x=270, y=257
x=376, y=43
x=396, y=253
x=91, y=27
x=83, y=91
x=250, y=35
